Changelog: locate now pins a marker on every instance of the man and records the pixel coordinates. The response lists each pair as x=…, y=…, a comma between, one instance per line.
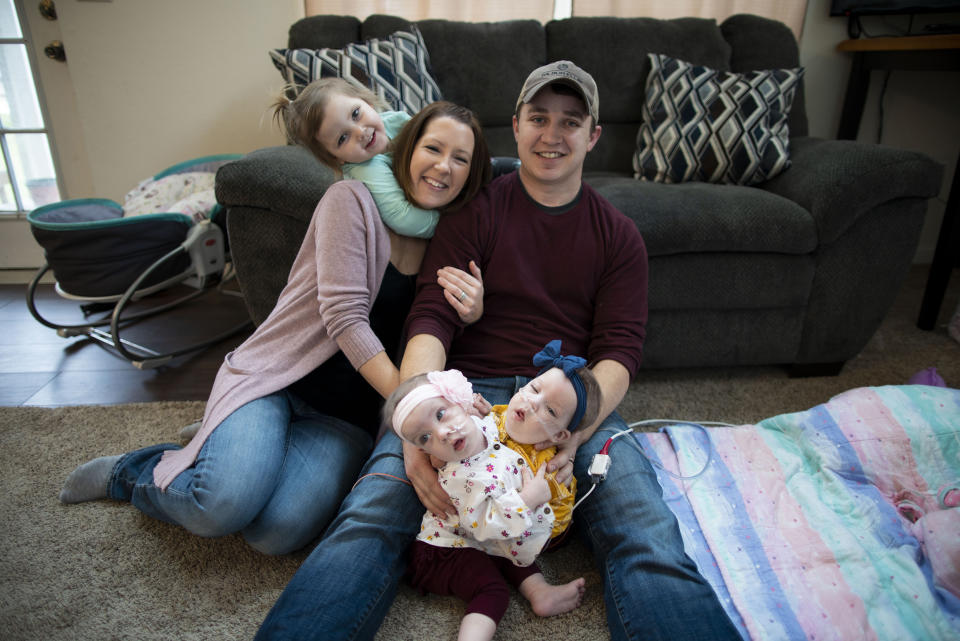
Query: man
x=558, y=262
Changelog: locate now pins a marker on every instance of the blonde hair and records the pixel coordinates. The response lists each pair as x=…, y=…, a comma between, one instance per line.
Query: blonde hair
x=300, y=118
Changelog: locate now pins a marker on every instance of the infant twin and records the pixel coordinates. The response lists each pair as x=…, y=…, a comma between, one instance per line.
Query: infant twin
x=492, y=464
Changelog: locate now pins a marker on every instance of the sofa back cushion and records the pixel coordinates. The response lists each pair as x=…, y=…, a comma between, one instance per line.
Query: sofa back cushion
x=760, y=43
x=483, y=65
x=614, y=51
x=317, y=32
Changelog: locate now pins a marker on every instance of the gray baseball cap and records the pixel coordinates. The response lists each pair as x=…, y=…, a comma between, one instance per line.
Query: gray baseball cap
x=563, y=71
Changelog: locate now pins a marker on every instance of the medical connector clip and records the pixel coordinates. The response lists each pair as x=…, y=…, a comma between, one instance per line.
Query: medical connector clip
x=599, y=467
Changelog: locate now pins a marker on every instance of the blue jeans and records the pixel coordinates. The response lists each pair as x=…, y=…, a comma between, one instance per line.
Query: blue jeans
x=345, y=587
x=275, y=470
x=652, y=589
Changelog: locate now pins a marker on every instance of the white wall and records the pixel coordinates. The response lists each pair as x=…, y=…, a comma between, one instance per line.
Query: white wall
x=154, y=84
x=920, y=108
x=162, y=82
x=157, y=83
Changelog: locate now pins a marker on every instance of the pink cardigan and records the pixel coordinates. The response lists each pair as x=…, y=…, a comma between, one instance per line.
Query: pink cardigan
x=325, y=307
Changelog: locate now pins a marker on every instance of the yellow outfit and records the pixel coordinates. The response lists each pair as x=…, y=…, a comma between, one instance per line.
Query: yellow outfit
x=562, y=497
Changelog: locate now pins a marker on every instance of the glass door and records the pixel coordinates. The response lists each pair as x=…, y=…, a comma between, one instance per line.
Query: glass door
x=28, y=176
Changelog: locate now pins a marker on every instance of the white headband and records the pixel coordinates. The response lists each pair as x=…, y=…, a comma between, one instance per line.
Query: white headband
x=450, y=384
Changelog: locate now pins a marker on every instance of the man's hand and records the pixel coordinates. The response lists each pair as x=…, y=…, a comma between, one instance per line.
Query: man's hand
x=423, y=477
x=562, y=461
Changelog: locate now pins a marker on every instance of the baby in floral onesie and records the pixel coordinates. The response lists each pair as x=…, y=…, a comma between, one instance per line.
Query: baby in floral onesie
x=503, y=517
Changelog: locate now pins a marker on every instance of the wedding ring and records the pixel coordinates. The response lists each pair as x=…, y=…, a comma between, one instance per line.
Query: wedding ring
x=462, y=295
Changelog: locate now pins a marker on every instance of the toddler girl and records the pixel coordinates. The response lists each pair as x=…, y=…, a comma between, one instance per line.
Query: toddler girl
x=348, y=129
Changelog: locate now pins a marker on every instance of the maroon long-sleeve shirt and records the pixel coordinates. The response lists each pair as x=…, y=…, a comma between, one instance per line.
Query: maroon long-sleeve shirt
x=577, y=273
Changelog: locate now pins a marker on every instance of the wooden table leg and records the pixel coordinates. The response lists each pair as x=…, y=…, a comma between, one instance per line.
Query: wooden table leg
x=944, y=257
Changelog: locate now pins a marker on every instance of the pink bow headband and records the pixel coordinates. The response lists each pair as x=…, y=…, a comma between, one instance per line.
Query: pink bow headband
x=451, y=384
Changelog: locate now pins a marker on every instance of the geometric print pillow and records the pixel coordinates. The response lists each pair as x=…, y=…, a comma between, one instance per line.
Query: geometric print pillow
x=396, y=68
x=704, y=125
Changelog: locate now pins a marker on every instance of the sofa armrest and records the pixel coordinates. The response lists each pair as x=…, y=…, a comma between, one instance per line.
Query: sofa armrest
x=270, y=196
x=285, y=180
x=838, y=180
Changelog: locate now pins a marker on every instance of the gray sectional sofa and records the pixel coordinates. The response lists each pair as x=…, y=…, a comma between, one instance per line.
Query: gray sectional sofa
x=797, y=270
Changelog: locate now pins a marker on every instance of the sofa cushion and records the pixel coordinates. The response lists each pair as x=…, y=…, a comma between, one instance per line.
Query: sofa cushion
x=714, y=126
x=614, y=51
x=317, y=32
x=699, y=217
x=396, y=68
x=762, y=43
x=498, y=55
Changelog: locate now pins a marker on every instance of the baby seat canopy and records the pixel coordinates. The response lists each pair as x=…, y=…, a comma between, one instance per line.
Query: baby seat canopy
x=94, y=251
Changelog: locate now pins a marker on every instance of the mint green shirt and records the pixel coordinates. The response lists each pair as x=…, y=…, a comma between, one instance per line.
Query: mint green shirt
x=397, y=213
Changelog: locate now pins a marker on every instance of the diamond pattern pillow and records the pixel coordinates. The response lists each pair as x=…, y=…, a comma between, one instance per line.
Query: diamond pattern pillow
x=396, y=68
x=700, y=124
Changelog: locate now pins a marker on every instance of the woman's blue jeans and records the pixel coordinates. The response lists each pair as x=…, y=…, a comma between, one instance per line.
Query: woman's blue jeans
x=275, y=470
x=651, y=588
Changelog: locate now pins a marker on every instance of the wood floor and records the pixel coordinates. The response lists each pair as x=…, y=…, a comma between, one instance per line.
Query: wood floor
x=39, y=368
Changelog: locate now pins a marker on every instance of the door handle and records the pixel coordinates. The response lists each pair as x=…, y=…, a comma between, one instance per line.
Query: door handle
x=47, y=9
x=55, y=51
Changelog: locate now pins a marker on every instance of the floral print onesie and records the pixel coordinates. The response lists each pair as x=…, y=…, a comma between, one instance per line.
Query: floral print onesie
x=490, y=514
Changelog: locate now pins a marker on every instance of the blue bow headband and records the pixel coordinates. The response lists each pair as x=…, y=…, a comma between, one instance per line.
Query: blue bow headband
x=550, y=356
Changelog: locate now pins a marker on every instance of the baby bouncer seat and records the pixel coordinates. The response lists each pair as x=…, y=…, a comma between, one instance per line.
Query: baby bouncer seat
x=170, y=231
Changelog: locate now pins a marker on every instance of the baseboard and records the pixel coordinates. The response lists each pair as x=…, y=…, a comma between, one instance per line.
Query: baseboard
x=22, y=276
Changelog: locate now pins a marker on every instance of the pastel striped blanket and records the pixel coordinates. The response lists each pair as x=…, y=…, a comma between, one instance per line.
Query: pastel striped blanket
x=833, y=523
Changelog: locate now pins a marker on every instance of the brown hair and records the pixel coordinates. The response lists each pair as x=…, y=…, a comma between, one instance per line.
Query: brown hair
x=300, y=118
x=594, y=398
x=406, y=141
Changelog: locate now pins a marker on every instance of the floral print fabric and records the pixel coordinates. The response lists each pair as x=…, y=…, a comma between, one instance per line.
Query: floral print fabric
x=490, y=513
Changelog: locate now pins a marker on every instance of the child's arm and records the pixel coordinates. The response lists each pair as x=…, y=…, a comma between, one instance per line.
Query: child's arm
x=499, y=519
x=503, y=525
x=536, y=490
x=397, y=213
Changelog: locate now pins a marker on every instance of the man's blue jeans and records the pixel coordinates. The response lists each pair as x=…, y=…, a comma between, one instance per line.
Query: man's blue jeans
x=275, y=470
x=651, y=588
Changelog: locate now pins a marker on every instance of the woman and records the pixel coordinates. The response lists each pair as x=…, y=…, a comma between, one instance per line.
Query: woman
x=294, y=410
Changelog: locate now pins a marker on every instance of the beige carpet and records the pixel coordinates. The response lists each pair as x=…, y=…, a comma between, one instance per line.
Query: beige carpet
x=101, y=570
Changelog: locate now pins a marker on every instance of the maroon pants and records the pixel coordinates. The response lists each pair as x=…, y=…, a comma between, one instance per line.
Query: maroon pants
x=478, y=578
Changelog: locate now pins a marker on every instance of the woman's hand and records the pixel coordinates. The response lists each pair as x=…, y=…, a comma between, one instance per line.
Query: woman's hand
x=463, y=291
x=424, y=479
x=562, y=461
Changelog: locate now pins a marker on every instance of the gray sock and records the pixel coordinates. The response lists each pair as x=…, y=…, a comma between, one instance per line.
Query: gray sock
x=89, y=481
x=187, y=433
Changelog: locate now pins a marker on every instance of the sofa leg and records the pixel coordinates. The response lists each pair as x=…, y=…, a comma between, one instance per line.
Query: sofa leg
x=804, y=370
